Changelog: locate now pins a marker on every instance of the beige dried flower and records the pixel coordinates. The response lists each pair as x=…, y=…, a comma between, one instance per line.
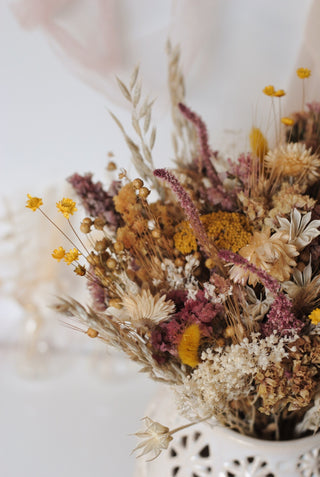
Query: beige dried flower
x=271, y=253
x=299, y=230
x=156, y=438
x=137, y=308
x=294, y=160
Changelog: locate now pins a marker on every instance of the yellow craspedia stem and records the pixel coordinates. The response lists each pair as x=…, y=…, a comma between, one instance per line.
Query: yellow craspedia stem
x=67, y=207
x=314, y=316
x=58, y=253
x=71, y=256
x=269, y=90
x=303, y=73
x=189, y=346
x=287, y=121
x=33, y=203
x=258, y=143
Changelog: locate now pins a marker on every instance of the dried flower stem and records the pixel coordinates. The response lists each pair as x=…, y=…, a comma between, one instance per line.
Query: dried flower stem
x=204, y=143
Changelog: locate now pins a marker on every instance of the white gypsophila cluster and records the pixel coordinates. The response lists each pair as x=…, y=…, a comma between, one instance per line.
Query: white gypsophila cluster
x=211, y=295
x=182, y=277
x=227, y=374
x=311, y=419
x=300, y=231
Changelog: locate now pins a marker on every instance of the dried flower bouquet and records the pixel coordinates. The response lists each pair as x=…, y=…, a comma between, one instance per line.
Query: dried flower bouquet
x=213, y=288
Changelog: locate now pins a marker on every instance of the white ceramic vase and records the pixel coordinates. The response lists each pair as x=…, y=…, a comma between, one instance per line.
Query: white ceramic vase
x=205, y=451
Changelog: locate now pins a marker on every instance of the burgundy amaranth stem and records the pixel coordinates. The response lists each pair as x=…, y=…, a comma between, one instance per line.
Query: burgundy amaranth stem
x=204, y=142
x=189, y=208
x=269, y=282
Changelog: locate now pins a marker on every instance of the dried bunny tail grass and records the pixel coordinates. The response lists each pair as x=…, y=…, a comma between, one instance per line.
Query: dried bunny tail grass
x=124, y=337
x=141, y=123
x=184, y=137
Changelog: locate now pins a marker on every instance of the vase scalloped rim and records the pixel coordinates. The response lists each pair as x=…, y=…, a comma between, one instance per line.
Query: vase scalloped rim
x=304, y=442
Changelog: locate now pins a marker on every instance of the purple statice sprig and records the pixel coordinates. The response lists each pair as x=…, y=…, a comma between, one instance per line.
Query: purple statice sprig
x=280, y=318
x=96, y=201
x=189, y=208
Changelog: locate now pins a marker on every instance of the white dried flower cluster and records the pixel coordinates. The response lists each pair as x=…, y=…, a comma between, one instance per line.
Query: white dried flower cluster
x=227, y=374
x=182, y=277
x=216, y=297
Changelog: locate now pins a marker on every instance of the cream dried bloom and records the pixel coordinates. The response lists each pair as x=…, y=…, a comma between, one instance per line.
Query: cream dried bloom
x=271, y=253
x=156, y=438
x=143, y=307
x=299, y=230
x=294, y=160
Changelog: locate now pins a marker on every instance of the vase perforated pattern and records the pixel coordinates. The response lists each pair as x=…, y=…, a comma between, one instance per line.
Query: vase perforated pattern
x=190, y=455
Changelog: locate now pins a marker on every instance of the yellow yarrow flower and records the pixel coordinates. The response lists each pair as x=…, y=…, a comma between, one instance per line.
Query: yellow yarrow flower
x=67, y=207
x=258, y=143
x=303, y=73
x=269, y=90
x=287, y=121
x=279, y=93
x=189, y=345
x=58, y=253
x=33, y=203
x=315, y=316
x=71, y=256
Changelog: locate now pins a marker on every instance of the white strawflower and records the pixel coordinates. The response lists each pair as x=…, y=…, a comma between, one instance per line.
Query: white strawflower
x=143, y=306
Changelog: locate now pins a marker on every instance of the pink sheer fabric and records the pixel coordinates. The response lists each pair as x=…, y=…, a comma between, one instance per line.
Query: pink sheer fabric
x=100, y=38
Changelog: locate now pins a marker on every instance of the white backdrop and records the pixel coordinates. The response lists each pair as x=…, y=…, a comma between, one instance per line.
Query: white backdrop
x=54, y=121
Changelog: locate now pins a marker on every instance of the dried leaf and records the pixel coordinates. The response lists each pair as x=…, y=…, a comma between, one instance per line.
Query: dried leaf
x=137, y=94
x=117, y=122
x=147, y=154
x=136, y=125
x=124, y=89
x=147, y=120
x=152, y=138
x=144, y=108
x=134, y=77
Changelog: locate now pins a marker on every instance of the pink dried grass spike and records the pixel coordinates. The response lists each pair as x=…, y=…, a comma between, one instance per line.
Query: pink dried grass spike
x=280, y=320
x=204, y=142
x=190, y=210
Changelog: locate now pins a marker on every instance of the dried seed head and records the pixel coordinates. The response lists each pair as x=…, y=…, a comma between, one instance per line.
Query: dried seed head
x=99, y=223
x=111, y=166
x=80, y=270
x=111, y=263
x=156, y=233
x=101, y=245
x=137, y=183
x=87, y=220
x=209, y=263
x=92, y=333
x=118, y=247
x=93, y=259
x=85, y=228
x=144, y=192
x=179, y=262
